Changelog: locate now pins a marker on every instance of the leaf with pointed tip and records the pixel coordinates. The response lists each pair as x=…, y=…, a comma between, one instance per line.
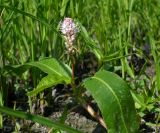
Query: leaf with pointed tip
x=90, y=42
x=114, y=99
x=47, y=65
x=52, y=66
x=47, y=82
x=58, y=73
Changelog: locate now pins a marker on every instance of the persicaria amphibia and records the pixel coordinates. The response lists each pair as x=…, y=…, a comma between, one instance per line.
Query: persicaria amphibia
x=69, y=30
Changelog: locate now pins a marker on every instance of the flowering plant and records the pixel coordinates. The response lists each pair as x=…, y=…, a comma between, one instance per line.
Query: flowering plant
x=109, y=91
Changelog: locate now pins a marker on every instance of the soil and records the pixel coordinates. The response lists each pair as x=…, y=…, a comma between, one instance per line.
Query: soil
x=77, y=117
x=60, y=99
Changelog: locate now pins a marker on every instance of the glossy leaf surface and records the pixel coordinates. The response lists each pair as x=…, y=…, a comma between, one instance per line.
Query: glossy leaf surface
x=57, y=73
x=114, y=100
x=47, y=82
x=52, y=66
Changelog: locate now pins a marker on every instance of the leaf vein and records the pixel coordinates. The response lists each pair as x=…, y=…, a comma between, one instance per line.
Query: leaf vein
x=108, y=86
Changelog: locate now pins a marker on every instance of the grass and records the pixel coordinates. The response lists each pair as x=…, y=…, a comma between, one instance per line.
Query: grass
x=118, y=29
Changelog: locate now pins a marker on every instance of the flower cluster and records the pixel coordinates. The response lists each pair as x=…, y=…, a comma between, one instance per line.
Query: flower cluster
x=69, y=30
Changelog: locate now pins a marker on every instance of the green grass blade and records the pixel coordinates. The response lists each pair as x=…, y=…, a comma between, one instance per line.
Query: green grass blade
x=39, y=119
x=31, y=16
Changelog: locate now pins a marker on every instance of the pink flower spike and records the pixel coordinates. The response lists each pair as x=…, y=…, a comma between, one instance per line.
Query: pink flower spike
x=68, y=27
x=69, y=30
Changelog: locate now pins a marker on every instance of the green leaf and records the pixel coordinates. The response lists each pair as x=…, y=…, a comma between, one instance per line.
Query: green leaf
x=90, y=42
x=47, y=65
x=15, y=69
x=114, y=99
x=139, y=100
x=31, y=16
x=64, y=5
x=39, y=119
x=1, y=121
x=52, y=66
x=47, y=82
x=57, y=71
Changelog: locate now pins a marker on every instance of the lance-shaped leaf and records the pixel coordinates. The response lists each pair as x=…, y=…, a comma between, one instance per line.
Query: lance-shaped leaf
x=114, y=99
x=47, y=82
x=58, y=73
x=47, y=65
x=52, y=66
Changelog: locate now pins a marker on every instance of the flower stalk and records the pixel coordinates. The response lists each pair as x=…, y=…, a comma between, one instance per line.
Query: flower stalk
x=69, y=30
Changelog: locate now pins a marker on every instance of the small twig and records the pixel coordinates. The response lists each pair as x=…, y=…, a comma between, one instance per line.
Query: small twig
x=95, y=115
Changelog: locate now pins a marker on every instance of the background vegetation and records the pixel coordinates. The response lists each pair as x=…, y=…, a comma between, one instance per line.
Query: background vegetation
x=123, y=34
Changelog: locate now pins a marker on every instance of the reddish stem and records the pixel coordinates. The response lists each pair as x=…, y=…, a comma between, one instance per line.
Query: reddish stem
x=73, y=65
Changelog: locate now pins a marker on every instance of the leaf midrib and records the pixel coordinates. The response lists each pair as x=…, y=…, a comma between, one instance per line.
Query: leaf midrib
x=48, y=67
x=110, y=88
x=41, y=88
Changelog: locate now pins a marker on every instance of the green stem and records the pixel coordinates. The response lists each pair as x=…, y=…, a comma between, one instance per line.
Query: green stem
x=73, y=77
